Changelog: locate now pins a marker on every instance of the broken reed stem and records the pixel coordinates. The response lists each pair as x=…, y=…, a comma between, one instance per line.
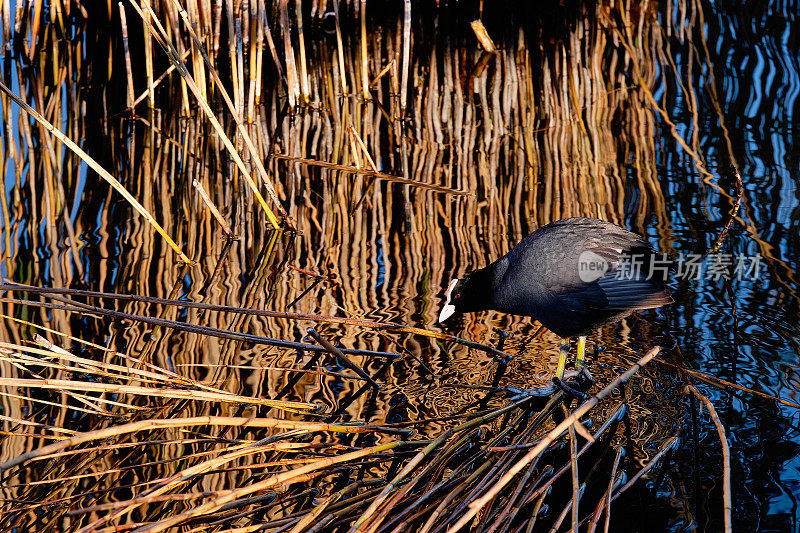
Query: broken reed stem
x=99, y=169
x=483, y=36
x=479, y=503
x=363, y=147
x=727, y=505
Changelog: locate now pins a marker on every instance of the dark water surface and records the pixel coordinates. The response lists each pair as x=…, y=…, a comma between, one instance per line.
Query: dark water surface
x=554, y=125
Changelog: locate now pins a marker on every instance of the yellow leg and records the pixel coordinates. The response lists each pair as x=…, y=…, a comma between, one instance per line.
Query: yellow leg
x=562, y=358
x=581, y=351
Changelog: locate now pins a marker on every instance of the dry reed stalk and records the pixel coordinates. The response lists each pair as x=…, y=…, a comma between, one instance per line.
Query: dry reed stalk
x=292, y=82
x=147, y=164
x=576, y=485
x=210, y=204
x=305, y=90
x=101, y=368
x=180, y=477
x=217, y=502
x=240, y=36
x=364, y=63
x=172, y=53
x=551, y=436
x=232, y=45
x=255, y=156
x=155, y=374
x=127, y=51
x=153, y=424
x=97, y=168
x=340, y=50
x=273, y=50
x=363, y=148
x=605, y=502
x=6, y=15
x=406, y=54
x=727, y=505
x=379, y=175
x=148, y=63
x=23, y=422
x=366, y=522
x=19, y=360
x=256, y=60
x=69, y=385
x=24, y=362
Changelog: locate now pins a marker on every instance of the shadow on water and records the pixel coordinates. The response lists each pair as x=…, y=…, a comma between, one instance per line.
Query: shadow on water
x=631, y=115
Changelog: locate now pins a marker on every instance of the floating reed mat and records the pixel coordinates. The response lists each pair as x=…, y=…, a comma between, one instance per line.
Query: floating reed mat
x=532, y=463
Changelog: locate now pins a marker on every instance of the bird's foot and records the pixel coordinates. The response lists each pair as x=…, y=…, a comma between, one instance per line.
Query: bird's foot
x=585, y=376
x=569, y=390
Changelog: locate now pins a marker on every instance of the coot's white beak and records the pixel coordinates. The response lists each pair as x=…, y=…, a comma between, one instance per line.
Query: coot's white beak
x=449, y=309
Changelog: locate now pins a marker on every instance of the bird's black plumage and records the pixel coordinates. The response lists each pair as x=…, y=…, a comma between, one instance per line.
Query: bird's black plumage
x=543, y=277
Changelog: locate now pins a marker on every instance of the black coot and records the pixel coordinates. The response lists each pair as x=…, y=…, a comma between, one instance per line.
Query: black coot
x=573, y=276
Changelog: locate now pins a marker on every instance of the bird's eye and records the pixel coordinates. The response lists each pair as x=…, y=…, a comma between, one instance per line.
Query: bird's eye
x=458, y=296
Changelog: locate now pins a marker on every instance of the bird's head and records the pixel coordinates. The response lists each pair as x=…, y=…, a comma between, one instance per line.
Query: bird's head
x=453, y=299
